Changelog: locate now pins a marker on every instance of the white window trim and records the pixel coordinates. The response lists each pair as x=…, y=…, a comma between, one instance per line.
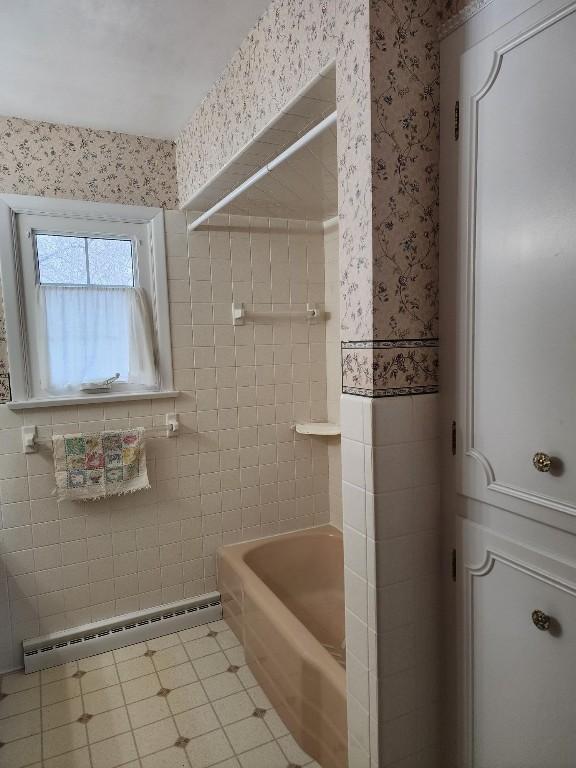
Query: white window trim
x=13, y=291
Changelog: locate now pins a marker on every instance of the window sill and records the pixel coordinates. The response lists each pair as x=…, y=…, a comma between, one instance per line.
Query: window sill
x=110, y=397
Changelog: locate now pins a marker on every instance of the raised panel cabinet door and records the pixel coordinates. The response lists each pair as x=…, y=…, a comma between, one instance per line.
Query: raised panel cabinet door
x=521, y=671
x=518, y=246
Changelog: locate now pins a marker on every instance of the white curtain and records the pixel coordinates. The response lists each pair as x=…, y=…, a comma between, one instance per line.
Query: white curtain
x=90, y=333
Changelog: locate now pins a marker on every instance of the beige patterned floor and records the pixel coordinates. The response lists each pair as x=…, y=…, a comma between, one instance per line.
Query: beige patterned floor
x=185, y=700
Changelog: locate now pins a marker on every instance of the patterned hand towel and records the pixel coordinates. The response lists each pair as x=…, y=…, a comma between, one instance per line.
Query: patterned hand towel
x=92, y=466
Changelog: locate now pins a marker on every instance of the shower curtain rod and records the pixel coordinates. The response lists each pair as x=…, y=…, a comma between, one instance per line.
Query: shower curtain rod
x=301, y=142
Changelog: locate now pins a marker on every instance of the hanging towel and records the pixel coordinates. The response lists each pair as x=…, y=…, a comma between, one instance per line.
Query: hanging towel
x=91, y=466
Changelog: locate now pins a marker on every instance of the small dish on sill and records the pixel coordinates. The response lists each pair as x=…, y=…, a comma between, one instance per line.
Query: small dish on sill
x=323, y=428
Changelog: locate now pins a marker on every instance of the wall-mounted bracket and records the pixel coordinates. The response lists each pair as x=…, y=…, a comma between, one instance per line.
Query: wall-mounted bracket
x=173, y=424
x=29, y=435
x=238, y=314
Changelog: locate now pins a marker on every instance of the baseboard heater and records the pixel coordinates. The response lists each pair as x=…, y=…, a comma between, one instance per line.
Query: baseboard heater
x=109, y=634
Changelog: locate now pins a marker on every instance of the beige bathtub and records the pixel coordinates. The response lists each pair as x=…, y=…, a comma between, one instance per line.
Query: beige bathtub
x=284, y=598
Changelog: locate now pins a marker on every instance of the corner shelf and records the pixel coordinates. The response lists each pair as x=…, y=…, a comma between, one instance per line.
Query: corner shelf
x=323, y=428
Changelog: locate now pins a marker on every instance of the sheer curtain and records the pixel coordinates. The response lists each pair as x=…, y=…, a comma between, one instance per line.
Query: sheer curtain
x=90, y=333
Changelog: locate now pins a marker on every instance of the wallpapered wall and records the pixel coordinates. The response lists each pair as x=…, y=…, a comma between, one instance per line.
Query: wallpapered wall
x=291, y=43
x=84, y=164
x=393, y=350
x=387, y=92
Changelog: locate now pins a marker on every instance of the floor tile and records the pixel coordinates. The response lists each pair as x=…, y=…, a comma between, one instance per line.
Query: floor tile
x=174, y=757
x=23, y=701
x=63, y=739
x=60, y=691
x=247, y=678
x=22, y=752
x=186, y=697
x=103, y=700
x=138, y=667
x=157, y=736
x=78, y=758
x=99, y=678
x=148, y=711
x=267, y=756
x=106, y=711
x=211, y=665
x=129, y=652
x=170, y=657
x=202, y=647
x=141, y=688
x=222, y=685
x=18, y=681
x=113, y=752
x=61, y=713
x=275, y=723
x=193, y=633
x=197, y=721
x=20, y=726
x=247, y=734
x=174, y=677
x=292, y=750
x=227, y=640
x=96, y=662
x=209, y=749
x=236, y=655
x=234, y=708
x=58, y=673
x=219, y=626
x=166, y=641
x=108, y=724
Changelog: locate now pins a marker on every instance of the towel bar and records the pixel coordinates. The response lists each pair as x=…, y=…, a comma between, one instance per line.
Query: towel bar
x=31, y=443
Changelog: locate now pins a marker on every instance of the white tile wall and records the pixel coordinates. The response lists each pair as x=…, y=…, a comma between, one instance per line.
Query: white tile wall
x=391, y=543
x=237, y=470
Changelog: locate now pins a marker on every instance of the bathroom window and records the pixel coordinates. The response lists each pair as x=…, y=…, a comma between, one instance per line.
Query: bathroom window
x=85, y=301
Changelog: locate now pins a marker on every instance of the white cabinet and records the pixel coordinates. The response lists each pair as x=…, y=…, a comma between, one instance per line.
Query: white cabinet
x=519, y=681
x=508, y=362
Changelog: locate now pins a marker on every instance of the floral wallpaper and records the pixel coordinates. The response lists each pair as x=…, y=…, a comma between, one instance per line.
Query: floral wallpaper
x=63, y=161
x=387, y=71
x=353, y=86
x=291, y=43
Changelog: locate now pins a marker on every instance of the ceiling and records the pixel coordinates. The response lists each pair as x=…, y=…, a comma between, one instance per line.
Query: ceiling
x=304, y=186
x=134, y=66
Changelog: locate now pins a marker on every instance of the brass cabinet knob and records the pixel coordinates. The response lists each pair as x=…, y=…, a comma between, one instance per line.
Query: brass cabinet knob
x=542, y=462
x=541, y=620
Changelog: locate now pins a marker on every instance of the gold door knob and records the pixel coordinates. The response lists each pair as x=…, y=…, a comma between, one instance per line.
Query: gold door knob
x=542, y=462
x=541, y=620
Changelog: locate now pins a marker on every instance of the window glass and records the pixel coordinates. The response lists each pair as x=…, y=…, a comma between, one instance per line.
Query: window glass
x=68, y=260
x=61, y=259
x=110, y=261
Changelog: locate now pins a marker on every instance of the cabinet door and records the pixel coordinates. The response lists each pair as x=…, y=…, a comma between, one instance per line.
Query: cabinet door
x=520, y=679
x=517, y=250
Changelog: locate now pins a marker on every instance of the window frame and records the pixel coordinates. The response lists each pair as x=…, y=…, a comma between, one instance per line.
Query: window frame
x=150, y=267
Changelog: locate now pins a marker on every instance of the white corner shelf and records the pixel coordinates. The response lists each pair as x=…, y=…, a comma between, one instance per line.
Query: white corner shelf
x=324, y=428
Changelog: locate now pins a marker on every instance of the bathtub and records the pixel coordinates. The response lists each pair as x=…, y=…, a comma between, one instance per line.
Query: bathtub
x=284, y=599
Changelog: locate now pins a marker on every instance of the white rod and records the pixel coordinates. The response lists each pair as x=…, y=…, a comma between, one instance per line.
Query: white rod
x=288, y=152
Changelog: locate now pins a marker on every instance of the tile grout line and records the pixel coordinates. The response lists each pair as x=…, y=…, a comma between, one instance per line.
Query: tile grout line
x=209, y=699
x=172, y=716
x=131, y=731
